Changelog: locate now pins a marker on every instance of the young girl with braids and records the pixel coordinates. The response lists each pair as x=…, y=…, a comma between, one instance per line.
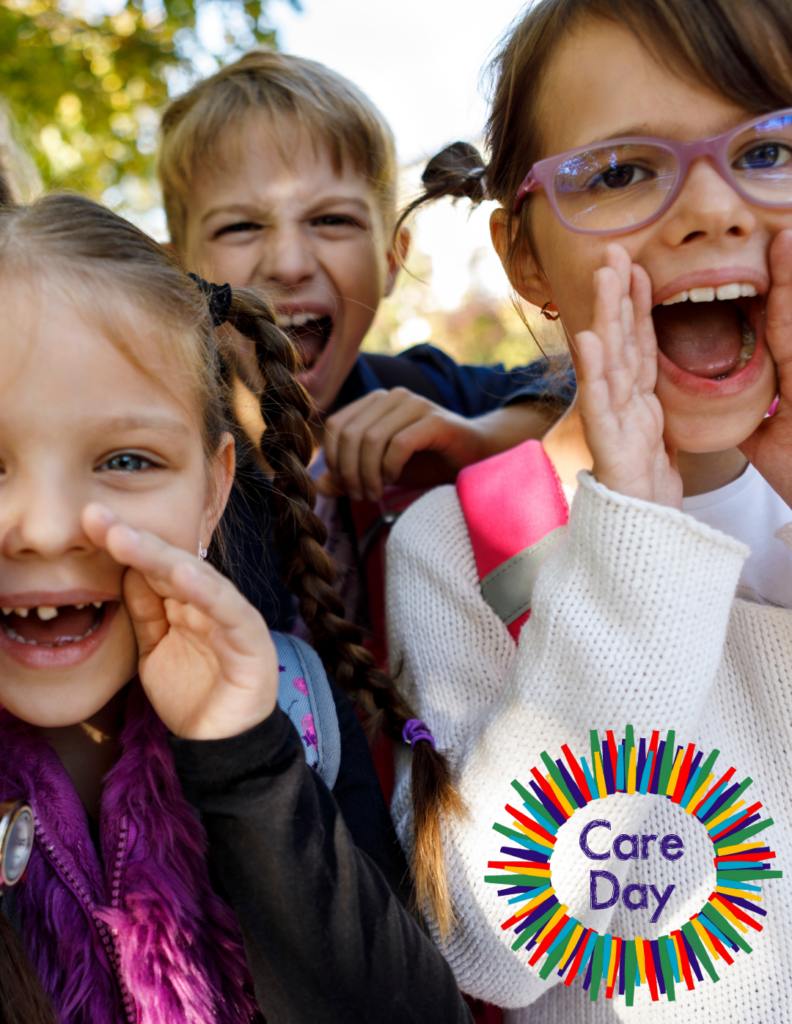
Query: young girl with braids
x=641, y=153
x=116, y=459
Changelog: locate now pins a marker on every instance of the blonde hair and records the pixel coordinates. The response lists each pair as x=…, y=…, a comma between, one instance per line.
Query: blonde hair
x=20, y=181
x=331, y=109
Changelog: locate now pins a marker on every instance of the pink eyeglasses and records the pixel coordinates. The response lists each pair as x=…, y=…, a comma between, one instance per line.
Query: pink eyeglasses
x=622, y=184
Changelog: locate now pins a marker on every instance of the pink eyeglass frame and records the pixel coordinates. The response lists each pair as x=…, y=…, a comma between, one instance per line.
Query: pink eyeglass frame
x=543, y=171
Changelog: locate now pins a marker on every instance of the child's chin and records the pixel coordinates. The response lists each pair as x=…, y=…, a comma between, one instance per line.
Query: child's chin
x=699, y=435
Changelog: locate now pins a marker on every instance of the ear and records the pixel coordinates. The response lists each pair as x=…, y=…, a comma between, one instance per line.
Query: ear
x=524, y=273
x=222, y=479
x=396, y=257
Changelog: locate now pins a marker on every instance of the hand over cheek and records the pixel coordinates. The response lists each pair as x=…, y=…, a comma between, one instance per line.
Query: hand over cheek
x=206, y=658
x=769, y=448
x=616, y=364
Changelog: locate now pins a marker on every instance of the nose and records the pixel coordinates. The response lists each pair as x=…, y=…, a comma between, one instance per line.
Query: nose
x=288, y=260
x=40, y=521
x=707, y=207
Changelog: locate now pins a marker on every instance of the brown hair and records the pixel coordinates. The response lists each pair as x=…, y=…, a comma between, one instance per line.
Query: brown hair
x=741, y=50
x=333, y=111
x=94, y=255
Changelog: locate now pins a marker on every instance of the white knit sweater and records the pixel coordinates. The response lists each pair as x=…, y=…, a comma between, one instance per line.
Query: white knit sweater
x=633, y=622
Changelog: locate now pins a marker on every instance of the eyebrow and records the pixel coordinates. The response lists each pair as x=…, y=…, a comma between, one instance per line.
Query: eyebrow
x=254, y=212
x=127, y=424
x=668, y=132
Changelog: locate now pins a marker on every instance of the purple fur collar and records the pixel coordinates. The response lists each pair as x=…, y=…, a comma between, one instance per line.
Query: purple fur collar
x=143, y=939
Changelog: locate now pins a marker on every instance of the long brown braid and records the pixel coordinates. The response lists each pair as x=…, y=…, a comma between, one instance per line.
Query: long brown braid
x=287, y=446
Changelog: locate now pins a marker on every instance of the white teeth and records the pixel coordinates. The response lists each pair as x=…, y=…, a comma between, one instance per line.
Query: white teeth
x=6, y=611
x=21, y=612
x=79, y=607
x=679, y=297
x=724, y=292
x=46, y=612
x=728, y=291
x=296, y=319
x=96, y=604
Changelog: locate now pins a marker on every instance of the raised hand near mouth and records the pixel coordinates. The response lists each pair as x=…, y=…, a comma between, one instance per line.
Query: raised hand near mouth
x=205, y=656
x=616, y=364
x=769, y=448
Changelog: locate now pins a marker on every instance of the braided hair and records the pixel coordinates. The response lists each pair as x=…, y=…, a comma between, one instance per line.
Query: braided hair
x=306, y=568
x=73, y=245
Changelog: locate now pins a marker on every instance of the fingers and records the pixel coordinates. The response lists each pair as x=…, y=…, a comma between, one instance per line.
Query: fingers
x=779, y=303
x=358, y=437
x=146, y=610
x=168, y=573
x=646, y=339
x=429, y=433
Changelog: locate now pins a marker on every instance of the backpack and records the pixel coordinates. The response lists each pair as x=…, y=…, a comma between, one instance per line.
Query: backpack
x=304, y=694
x=516, y=514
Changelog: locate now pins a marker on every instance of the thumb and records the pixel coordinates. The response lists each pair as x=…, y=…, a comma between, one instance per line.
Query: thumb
x=146, y=610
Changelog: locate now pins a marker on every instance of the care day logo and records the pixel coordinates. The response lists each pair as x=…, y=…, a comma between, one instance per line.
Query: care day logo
x=541, y=924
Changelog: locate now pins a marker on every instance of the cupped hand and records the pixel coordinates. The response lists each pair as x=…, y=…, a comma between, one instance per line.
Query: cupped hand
x=369, y=443
x=205, y=656
x=769, y=448
x=616, y=364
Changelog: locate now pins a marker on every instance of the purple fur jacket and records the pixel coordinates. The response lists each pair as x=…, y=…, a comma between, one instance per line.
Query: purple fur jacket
x=138, y=936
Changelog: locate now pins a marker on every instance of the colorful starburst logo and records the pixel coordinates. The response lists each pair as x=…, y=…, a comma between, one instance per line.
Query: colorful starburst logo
x=685, y=776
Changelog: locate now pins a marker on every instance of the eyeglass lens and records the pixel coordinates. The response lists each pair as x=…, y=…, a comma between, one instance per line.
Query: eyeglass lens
x=613, y=188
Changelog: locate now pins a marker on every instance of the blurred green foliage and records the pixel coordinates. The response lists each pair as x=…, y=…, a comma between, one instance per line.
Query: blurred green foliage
x=85, y=83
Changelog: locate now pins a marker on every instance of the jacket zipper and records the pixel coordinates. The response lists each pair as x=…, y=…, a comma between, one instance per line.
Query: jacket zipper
x=108, y=951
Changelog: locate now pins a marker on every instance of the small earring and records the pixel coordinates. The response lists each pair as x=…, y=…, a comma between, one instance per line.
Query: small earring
x=202, y=551
x=550, y=316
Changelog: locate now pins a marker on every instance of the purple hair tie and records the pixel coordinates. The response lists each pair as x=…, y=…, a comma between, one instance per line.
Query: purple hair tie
x=415, y=730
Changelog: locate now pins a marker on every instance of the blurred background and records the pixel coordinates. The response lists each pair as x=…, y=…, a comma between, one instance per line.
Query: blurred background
x=84, y=81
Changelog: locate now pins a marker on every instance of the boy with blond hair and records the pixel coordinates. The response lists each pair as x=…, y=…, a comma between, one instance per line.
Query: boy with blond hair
x=279, y=173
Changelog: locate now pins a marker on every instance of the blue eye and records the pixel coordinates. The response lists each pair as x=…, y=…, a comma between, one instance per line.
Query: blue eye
x=766, y=156
x=127, y=462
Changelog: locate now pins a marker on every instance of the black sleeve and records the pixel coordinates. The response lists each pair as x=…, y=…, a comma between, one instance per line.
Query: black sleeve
x=359, y=797
x=327, y=940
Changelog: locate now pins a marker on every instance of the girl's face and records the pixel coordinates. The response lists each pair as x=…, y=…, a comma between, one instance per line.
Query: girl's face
x=80, y=423
x=602, y=83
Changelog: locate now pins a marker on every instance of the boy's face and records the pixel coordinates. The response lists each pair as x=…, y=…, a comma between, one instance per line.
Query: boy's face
x=312, y=238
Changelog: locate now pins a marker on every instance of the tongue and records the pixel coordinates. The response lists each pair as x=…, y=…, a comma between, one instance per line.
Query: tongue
x=70, y=624
x=309, y=342
x=704, y=339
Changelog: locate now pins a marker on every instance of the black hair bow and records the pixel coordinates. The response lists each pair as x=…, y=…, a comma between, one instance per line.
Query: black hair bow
x=218, y=296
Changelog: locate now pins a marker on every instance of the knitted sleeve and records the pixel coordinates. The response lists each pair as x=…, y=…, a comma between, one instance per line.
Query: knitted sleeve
x=628, y=624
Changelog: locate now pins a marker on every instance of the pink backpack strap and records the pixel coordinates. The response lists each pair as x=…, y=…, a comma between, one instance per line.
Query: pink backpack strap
x=516, y=514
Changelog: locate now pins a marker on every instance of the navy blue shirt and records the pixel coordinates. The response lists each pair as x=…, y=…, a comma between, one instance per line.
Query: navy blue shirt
x=466, y=390
x=245, y=551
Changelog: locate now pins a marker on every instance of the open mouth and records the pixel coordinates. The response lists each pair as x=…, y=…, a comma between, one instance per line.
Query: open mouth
x=308, y=333
x=50, y=626
x=710, y=333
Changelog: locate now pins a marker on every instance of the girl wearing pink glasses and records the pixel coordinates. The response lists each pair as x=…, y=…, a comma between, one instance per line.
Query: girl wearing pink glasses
x=641, y=153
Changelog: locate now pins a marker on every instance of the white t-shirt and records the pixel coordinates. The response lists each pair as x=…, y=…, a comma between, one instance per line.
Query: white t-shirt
x=750, y=510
